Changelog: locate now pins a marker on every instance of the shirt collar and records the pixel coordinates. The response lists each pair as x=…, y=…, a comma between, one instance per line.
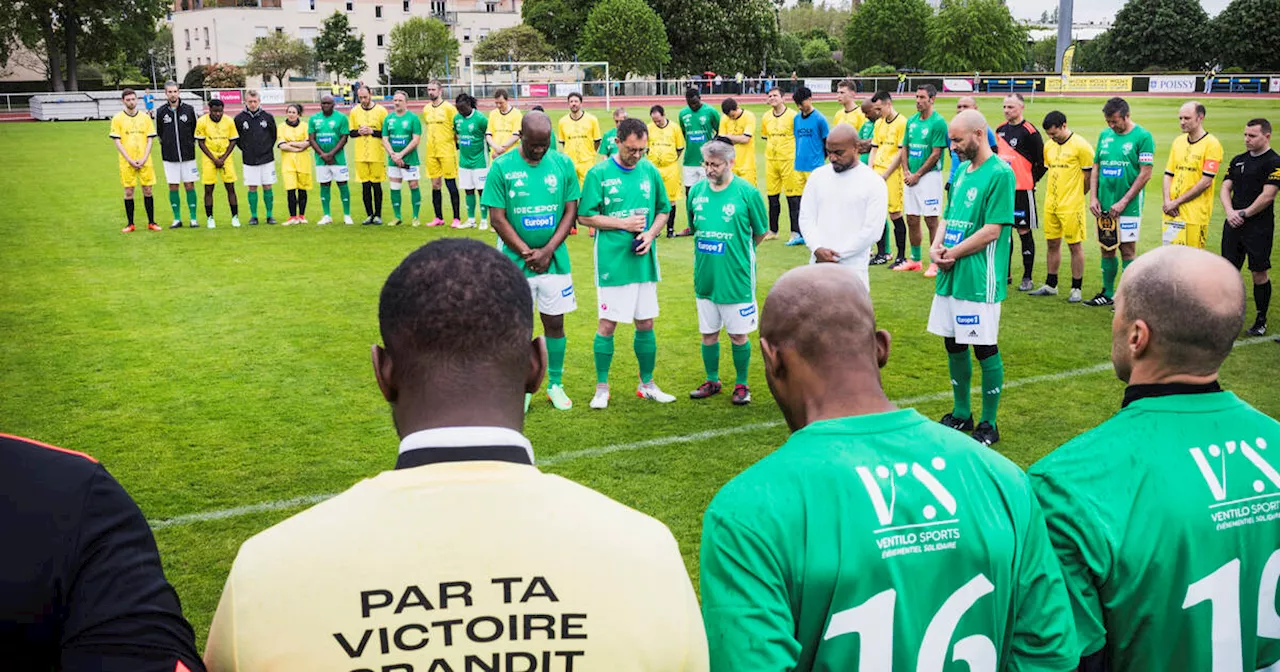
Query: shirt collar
x=1133, y=393
x=465, y=437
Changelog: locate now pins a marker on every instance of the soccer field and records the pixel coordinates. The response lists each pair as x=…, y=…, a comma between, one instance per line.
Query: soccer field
x=214, y=371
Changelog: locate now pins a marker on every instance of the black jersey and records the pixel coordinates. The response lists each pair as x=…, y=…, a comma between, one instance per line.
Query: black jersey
x=1248, y=175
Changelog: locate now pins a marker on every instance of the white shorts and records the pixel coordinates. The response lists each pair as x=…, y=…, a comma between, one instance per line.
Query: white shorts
x=553, y=294
x=1130, y=229
x=338, y=173
x=257, y=176
x=177, y=173
x=472, y=178
x=735, y=318
x=692, y=175
x=925, y=198
x=969, y=322
x=396, y=173
x=628, y=303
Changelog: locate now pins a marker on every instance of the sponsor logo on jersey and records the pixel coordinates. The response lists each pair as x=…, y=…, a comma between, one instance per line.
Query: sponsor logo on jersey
x=710, y=247
x=1112, y=171
x=1251, y=494
x=930, y=201
x=748, y=311
x=903, y=528
x=915, y=153
x=1129, y=224
x=551, y=181
x=729, y=209
x=535, y=222
x=970, y=196
x=567, y=291
x=968, y=320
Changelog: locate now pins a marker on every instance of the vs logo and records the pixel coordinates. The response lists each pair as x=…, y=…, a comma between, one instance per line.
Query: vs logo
x=900, y=475
x=1214, y=468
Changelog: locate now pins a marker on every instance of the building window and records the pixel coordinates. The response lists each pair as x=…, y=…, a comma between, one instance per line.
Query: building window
x=206, y=37
x=406, y=6
x=350, y=5
x=437, y=7
x=188, y=64
x=259, y=32
x=379, y=39
x=382, y=68
x=279, y=30
x=484, y=32
x=491, y=7
x=308, y=35
x=466, y=34
x=186, y=35
x=306, y=5
x=467, y=62
x=377, y=11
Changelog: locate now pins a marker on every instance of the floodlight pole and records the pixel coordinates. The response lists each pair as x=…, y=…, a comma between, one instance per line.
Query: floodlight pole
x=1065, y=8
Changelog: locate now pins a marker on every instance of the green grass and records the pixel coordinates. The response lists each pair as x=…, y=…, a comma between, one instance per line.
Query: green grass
x=213, y=369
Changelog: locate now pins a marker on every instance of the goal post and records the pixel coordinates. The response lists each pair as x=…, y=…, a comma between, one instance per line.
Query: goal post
x=543, y=78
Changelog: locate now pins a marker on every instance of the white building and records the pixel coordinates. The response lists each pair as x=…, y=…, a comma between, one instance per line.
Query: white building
x=221, y=31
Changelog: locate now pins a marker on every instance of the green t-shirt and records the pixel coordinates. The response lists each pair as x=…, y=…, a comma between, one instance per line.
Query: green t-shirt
x=328, y=131
x=867, y=132
x=882, y=542
x=1119, y=159
x=1166, y=519
x=923, y=136
x=399, y=130
x=608, y=143
x=534, y=198
x=724, y=248
x=983, y=196
x=470, y=133
x=611, y=190
x=698, y=128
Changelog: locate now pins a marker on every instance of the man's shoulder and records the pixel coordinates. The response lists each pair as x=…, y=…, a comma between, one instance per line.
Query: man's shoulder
x=1092, y=454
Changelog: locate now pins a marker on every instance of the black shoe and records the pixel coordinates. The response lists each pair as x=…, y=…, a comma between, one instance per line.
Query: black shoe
x=900, y=261
x=880, y=260
x=706, y=389
x=1099, y=301
x=1259, y=328
x=270, y=220
x=671, y=235
x=961, y=424
x=986, y=434
x=194, y=225
x=176, y=225
x=253, y=221
x=741, y=395
x=367, y=221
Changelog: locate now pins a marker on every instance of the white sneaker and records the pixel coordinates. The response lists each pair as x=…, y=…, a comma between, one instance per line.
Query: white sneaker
x=324, y=220
x=211, y=224
x=417, y=222
x=1075, y=296
x=195, y=224
x=650, y=391
x=484, y=225
x=469, y=224
x=235, y=222
x=1045, y=290
x=346, y=219
x=601, y=399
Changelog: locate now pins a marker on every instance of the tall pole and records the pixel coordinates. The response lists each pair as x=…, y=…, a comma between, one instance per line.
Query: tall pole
x=1065, y=8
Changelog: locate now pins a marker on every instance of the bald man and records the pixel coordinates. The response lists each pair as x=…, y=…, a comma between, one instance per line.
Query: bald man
x=972, y=254
x=872, y=533
x=1171, y=564
x=370, y=156
x=1188, y=175
x=842, y=212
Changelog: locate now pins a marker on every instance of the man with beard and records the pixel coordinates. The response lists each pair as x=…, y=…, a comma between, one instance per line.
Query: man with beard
x=842, y=211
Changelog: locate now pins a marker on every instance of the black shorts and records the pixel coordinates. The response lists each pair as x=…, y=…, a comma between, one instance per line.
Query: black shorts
x=1024, y=209
x=1252, y=239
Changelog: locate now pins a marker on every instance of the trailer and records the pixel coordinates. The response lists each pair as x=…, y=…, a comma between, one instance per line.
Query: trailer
x=69, y=106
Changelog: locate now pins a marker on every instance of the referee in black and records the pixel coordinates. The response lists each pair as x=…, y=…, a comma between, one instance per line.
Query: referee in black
x=1248, y=193
x=257, y=143
x=81, y=586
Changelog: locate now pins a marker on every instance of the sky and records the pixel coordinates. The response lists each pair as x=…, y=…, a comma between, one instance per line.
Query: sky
x=1089, y=10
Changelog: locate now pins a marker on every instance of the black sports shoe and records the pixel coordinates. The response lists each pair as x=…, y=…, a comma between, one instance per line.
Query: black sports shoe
x=961, y=424
x=367, y=221
x=900, y=261
x=706, y=389
x=880, y=260
x=741, y=395
x=253, y=221
x=1099, y=301
x=1259, y=328
x=271, y=220
x=177, y=224
x=986, y=434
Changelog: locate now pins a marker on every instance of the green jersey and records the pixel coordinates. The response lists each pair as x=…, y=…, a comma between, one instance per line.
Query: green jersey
x=328, y=131
x=882, y=542
x=924, y=136
x=608, y=143
x=979, y=197
x=867, y=132
x=698, y=128
x=1119, y=159
x=724, y=225
x=614, y=191
x=399, y=130
x=1166, y=519
x=534, y=198
x=470, y=132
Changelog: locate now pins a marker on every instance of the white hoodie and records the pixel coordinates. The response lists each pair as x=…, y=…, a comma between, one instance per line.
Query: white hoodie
x=844, y=212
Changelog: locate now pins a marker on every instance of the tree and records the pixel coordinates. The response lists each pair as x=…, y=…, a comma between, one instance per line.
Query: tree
x=787, y=54
x=806, y=18
x=121, y=70
x=160, y=55
x=559, y=21
x=645, y=49
x=276, y=54
x=752, y=23
x=338, y=50
x=517, y=43
x=195, y=77
x=975, y=36
x=1166, y=34
x=420, y=49
x=819, y=34
x=1241, y=30
x=1091, y=56
x=892, y=32
x=223, y=76
x=816, y=49
x=1044, y=53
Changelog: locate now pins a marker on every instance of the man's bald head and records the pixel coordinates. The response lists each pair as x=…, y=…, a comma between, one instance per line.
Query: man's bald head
x=843, y=147
x=966, y=103
x=842, y=133
x=968, y=133
x=869, y=109
x=1178, y=311
x=535, y=135
x=970, y=121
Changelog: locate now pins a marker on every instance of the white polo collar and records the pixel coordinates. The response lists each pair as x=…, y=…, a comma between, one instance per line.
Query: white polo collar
x=465, y=437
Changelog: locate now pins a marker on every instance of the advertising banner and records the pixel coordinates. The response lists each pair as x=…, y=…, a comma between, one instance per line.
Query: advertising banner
x=230, y=97
x=1275, y=85
x=535, y=90
x=818, y=85
x=563, y=89
x=1091, y=83
x=959, y=85
x=1173, y=84
x=272, y=96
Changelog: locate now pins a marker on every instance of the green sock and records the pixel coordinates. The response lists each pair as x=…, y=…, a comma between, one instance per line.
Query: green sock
x=253, y=204
x=741, y=362
x=345, y=192
x=471, y=204
x=269, y=200
x=324, y=199
x=992, y=383
x=603, y=347
x=915, y=253
x=415, y=197
x=711, y=361
x=1110, y=265
x=191, y=202
x=961, y=368
x=555, y=360
x=175, y=204
x=1124, y=264
x=646, y=347
x=395, y=202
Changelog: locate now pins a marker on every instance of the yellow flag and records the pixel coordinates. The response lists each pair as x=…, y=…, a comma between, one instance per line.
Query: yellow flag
x=1066, y=60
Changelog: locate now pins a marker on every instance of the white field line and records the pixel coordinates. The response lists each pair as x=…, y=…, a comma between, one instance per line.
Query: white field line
x=307, y=500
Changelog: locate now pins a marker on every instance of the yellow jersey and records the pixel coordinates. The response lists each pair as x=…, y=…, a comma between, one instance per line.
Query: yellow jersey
x=744, y=155
x=503, y=125
x=1066, y=163
x=217, y=135
x=1188, y=162
x=133, y=131
x=887, y=140
x=296, y=162
x=855, y=118
x=437, y=120
x=779, y=135
x=580, y=137
x=367, y=147
x=665, y=143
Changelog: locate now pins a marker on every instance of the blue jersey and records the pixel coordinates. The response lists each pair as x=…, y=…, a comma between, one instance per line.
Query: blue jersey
x=955, y=160
x=811, y=138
